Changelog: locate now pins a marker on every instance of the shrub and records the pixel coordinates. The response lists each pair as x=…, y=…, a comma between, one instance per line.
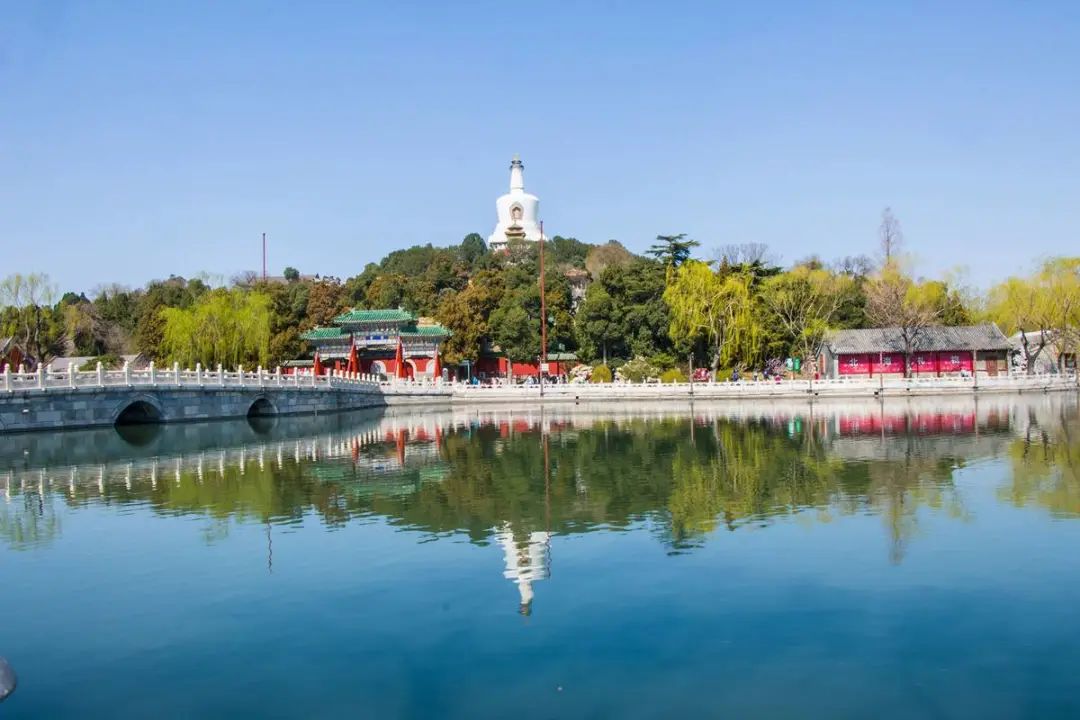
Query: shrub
x=601, y=374
x=663, y=361
x=674, y=375
x=638, y=370
x=108, y=362
x=615, y=363
x=724, y=374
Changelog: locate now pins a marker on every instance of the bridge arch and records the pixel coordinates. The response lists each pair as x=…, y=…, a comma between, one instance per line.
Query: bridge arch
x=138, y=410
x=262, y=407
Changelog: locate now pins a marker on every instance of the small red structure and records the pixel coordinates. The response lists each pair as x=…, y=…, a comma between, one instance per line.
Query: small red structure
x=354, y=360
x=935, y=351
x=399, y=361
x=496, y=365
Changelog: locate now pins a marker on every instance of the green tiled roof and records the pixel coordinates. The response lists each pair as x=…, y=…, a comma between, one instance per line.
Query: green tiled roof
x=323, y=333
x=368, y=316
x=426, y=331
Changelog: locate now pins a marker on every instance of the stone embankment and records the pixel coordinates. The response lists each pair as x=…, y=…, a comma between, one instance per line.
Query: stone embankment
x=41, y=401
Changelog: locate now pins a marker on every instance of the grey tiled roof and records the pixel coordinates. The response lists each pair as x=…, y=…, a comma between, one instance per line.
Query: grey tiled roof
x=931, y=339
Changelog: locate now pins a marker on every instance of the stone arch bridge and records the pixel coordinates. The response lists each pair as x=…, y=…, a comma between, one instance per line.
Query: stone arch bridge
x=73, y=399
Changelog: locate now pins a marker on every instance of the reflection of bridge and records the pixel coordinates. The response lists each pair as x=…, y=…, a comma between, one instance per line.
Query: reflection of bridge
x=375, y=448
x=42, y=400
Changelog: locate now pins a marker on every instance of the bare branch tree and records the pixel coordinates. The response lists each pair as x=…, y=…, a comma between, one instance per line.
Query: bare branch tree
x=744, y=254
x=853, y=266
x=890, y=234
x=894, y=300
x=29, y=295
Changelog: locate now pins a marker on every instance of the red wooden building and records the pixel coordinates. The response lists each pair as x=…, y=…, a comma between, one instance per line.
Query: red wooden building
x=492, y=365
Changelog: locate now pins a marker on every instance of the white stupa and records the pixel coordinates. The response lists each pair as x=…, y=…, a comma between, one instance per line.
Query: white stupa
x=518, y=211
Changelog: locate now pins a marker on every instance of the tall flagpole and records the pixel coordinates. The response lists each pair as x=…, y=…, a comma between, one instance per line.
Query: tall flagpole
x=543, y=312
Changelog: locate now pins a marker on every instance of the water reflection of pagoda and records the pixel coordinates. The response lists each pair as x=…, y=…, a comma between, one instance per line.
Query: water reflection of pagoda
x=528, y=559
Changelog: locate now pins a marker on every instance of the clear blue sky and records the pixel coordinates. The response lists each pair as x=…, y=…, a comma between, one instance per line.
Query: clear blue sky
x=139, y=139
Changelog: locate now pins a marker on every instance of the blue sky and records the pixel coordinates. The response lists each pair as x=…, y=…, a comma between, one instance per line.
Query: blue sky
x=143, y=139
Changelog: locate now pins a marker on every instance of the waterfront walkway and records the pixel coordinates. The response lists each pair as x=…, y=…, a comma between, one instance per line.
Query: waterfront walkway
x=49, y=401
x=799, y=388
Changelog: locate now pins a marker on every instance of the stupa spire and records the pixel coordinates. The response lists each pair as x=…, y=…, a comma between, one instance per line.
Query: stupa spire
x=517, y=174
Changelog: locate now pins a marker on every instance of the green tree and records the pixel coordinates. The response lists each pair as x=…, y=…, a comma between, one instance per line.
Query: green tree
x=30, y=318
x=598, y=323
x=227, y=327
x=517, y=334
x=802, y=304
x=326, y=300
x=718, y=310
x=472, y=249
x=672, y=250
x=149, y=329
x=567, y=252
x=466, y=314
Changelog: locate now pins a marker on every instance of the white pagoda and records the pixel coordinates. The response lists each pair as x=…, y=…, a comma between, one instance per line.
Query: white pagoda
x=518, y=211
x=528, y=559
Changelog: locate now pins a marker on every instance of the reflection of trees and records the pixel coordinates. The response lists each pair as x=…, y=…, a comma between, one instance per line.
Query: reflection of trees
x=899, y=488
x=1046, y=464
x=743, y=473
x=683, y=480
x=28, y=520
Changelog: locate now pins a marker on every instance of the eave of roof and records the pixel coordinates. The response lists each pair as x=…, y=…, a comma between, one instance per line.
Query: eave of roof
x=373, y=316
x=931, y=339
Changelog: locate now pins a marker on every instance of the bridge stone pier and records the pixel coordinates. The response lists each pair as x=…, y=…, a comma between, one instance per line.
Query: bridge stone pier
x=39, y=401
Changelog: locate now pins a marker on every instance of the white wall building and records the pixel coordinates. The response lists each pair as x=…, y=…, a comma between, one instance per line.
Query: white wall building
x=518, y=212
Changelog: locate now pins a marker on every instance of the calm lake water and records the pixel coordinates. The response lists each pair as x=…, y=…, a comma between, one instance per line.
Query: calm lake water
x=906, y=560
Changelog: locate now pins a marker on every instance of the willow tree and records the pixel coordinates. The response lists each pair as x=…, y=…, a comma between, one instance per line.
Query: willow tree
x=1020, y=305
x=718, y=309
x=229, y=327
x=1061, y=279
x=1043, y=308
x=802, y=303
x=30, y=298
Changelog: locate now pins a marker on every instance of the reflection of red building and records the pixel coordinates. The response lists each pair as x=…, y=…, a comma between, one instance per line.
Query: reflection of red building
x=939, y=351
x=918, y=423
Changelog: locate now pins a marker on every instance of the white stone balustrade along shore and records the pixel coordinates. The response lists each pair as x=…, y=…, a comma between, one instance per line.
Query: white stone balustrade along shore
x=41, y=400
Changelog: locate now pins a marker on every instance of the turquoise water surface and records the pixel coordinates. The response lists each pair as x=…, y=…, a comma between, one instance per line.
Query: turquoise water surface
x=907, y=560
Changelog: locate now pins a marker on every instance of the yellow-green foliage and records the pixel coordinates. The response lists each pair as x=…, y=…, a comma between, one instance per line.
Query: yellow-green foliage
x=674, y=375
x=227, y=327
x=720, y=308
x=601, y=374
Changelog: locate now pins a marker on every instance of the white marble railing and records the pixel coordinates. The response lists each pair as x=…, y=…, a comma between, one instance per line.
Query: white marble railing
x=44, y=381
x=782, y=388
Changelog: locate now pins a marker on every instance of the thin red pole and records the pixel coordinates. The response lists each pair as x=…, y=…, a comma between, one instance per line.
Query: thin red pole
x=543, y=302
